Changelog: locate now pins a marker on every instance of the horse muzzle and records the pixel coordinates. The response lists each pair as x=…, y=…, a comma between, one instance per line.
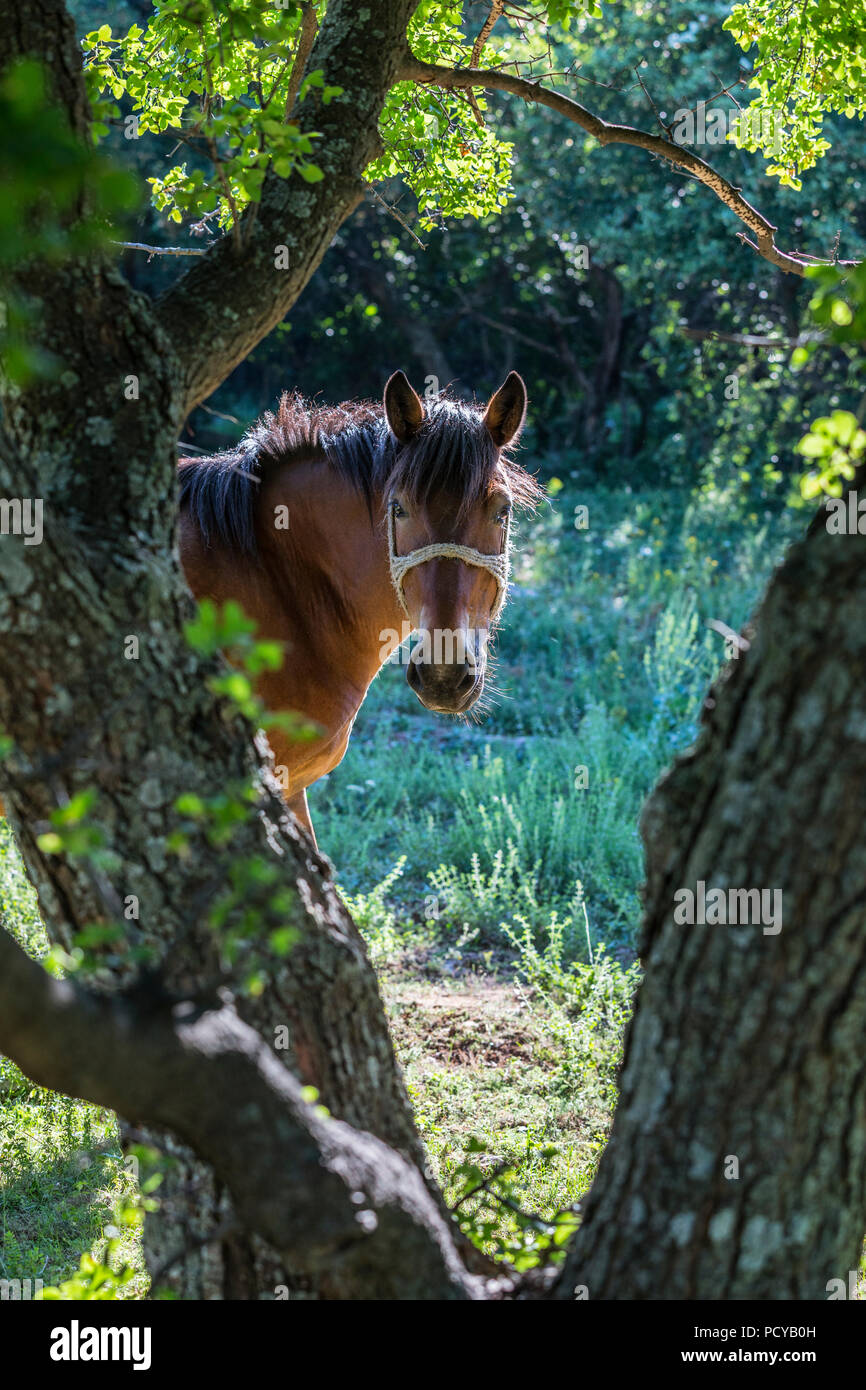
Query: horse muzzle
x=446, y=689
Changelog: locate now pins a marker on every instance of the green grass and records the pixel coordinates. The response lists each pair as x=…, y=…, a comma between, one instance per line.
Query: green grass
x=63, y=1186
x=497, y=884
x=512, y=1072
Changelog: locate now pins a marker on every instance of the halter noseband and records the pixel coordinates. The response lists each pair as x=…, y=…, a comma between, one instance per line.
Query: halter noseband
x=497, y=565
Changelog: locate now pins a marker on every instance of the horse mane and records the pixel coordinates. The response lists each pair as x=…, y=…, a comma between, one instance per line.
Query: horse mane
x=451, y=452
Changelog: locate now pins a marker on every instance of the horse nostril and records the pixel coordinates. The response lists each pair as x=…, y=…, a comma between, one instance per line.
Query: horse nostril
x=445, y=688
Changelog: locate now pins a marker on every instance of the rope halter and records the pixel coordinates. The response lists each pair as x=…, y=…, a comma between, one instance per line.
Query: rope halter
x=497, y=565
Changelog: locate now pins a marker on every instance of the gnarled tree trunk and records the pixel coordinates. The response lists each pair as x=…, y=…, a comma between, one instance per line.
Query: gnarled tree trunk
x=147, y=730
x=737, y=1163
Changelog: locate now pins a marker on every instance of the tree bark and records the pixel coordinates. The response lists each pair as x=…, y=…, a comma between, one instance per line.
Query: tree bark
x=337, y=1204
x=748, y=1046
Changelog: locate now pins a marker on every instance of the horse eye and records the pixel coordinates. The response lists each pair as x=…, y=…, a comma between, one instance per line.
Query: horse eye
x=396, y=508
x=504, y=515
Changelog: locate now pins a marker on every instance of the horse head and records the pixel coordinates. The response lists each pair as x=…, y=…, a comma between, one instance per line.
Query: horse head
x=449, y=501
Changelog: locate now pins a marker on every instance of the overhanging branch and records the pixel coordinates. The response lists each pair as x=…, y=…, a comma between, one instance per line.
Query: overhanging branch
x=763, y=233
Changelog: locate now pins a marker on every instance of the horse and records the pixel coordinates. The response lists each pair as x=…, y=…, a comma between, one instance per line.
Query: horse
x=342, y=529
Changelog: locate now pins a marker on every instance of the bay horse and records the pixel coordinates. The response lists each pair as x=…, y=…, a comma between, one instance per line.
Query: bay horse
x=340, y=530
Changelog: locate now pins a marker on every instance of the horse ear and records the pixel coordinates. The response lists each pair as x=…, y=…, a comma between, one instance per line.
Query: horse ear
x=403, y=409
x=506, y=411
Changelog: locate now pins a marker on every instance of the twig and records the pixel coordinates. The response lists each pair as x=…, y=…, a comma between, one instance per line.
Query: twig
x=232, y=419
x=655, y=109
x=729, y=90
x=752, y=340
x=163, y=250
x=227, y=192
x=742, y=644
x=389, y=207
x=484, y=1186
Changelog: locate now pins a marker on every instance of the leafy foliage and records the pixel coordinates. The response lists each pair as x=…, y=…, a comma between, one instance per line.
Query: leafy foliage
x=455, y=164
x=836, y=443
x=227, y=629
x=810, y=60
x=218, y=74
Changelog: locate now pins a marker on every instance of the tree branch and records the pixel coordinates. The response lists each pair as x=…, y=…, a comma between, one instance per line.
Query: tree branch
x=309, y=29
x=608, y=133
x=162, y=250
x=335, y=1202
x=749, y=340
x=486, y=30
x=232, y=297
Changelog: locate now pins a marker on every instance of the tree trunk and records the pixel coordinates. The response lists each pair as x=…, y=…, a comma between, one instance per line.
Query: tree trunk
x=146, y=730
x=737, y=1163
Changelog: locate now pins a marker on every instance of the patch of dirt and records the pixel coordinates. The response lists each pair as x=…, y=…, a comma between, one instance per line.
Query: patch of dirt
x=479, y=1022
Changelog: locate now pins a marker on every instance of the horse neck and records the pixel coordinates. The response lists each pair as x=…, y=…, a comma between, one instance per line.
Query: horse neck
x=332, y=564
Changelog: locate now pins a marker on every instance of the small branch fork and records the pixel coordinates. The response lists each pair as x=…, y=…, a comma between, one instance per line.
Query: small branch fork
x=395, y=212
x=762, y=231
